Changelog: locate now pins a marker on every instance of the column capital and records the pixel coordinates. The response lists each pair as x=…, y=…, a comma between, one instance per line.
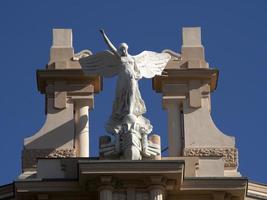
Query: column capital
x=157, y=183
x=157, y=192
x=105, y=188
x=105, y=183
x=84, y=100
x=171, y=100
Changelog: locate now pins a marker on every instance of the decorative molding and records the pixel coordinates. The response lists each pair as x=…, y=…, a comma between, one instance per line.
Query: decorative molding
x=29, y=156
x=229, y=155
x=62, y=153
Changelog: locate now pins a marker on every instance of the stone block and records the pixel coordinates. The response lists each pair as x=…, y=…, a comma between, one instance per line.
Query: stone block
x=62, y=38
x=205, y=89
x=60, y=100
x=174, y=89
x=193, y=53
x=80, y=90
x=61, y=51
x=177, y=64
x=30, y=156
x=194, y=94
x=200, y=130
x=192, y=37
x=61, y=64
x=60, y=58
x=60, y=97
x=58, y=168
x=211, y=167
x=57, y=132
x=192, y=64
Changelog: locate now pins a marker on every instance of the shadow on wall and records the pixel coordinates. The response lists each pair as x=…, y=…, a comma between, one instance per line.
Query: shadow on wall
x=62, y=136
x=58, y=137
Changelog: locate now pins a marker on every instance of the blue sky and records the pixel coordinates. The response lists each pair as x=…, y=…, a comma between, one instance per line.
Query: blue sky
x=234, y=34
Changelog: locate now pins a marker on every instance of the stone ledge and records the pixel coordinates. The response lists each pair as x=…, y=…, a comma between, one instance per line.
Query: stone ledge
x=184, y=75
x=30, y=156
x=66, y=75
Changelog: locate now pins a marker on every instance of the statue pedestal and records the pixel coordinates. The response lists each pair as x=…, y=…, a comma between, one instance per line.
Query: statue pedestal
x=130, y=146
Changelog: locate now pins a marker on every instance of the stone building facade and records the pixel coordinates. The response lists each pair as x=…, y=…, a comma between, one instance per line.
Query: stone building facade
x=202, y=162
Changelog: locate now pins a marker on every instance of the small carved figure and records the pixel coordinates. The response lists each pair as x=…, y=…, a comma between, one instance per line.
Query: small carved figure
x=128, y=106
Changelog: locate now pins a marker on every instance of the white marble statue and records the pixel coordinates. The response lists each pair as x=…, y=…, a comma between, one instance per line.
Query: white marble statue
x=128, y=106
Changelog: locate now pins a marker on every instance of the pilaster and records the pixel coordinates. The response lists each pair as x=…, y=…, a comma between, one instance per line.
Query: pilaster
x=82, y=106
x=186, y=90
x=69, y=94
x=172, y=106
x=157, y=189
x=105, y=189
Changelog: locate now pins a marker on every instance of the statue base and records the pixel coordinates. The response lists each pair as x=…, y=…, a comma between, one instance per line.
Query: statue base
x=130, y=145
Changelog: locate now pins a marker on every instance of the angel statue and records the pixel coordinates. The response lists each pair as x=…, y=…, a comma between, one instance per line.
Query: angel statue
x=128, y=105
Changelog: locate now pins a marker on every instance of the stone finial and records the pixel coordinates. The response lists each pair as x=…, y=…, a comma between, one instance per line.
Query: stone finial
x=186, y=97
x=69, y=95
x=192, y=49
x=192, y=37
x=62, y=38
x=62, y=51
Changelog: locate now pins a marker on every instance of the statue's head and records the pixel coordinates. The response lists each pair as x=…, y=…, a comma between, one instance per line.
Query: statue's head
x=123, y=49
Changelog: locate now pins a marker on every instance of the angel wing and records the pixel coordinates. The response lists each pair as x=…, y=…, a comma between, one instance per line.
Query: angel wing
x=103, y=63
x=151, y=63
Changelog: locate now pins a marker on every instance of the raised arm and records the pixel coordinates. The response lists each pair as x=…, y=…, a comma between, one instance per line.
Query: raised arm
x=109, y=43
